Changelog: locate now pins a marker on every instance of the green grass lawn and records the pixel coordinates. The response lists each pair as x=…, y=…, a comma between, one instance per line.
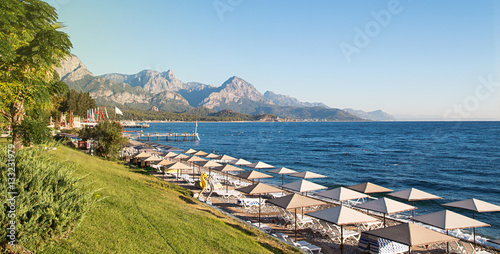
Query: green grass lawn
x=141, y=214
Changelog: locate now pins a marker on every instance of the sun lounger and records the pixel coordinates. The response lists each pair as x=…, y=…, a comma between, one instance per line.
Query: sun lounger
x=277, y=194
x=266, y=228
x=229, y=193
x=250, y=202
x=303, y=245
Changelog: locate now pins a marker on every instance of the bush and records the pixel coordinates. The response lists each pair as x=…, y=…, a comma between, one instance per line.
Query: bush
x=33, y=132
x=50, y=200
x=109, y=135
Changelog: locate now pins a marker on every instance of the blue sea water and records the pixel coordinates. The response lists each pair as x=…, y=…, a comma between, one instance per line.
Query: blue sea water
x=454, y=160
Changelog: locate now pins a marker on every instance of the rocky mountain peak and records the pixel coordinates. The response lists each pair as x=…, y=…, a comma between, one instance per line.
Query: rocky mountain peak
x=169, y=75
x=72, y=69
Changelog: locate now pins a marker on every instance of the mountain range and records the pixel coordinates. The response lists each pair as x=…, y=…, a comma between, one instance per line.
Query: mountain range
x=151, y=89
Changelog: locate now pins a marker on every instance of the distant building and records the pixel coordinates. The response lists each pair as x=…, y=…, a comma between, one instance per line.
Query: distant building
x=154, y=108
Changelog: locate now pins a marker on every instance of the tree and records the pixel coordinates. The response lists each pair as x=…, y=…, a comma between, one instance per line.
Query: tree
x=109, y=135
x=31, y=45
x=78, y=102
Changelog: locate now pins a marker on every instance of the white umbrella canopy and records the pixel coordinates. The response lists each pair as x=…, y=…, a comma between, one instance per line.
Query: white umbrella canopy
x=209, y=164
x=165, y=162
x=294, y=201
x=225, y=158
x=341, y=216
x=240, y=162
x=178, y=166
x=307, y=175
x=386, y=206
x=474, y=205
x=152, y=158
x=282, y=171
x=194, y=158
x=303, y=186
x=211, y=156
x=259, y=165
x=449, y=220
x=189, y=151
x=342, y=194
x=170, y=155
x=258, y=189
x=200, y=153
x=369, y=188
x=143, y=155
x=411, y=235
x=251, y=175
x=413, y=194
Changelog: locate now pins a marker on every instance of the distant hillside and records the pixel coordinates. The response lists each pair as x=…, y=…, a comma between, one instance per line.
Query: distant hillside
x=285, y=100
x=163, y=90
x=377, y=115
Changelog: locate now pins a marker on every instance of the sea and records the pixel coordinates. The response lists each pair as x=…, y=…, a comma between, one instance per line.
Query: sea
x=454, y=160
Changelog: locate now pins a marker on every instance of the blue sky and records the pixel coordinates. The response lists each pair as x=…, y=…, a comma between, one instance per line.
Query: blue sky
x=418, y=58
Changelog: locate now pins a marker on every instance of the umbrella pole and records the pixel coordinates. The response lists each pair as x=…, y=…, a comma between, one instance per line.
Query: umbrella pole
x=413, y=211
x=259, y=209
x=295, y=224
x=177, y=177
x=384, y=220
x=474, y=231
x=227, y=190
x=282, y=179
x=447, y=244
x=341, y=238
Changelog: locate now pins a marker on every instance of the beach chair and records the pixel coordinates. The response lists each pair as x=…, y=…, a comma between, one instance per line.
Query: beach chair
x=468, y=248
x=227, y=194
x=303, y=245
x=304, y=220
x=264, y=227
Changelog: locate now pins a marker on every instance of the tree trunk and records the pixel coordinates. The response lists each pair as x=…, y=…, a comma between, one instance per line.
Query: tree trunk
x=17, y=113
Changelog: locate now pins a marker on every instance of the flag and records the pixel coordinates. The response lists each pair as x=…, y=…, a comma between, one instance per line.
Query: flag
x=118, y=111
x=105, y=110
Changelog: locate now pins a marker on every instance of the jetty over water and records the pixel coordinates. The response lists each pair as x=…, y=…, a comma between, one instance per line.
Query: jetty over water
x=183, y=136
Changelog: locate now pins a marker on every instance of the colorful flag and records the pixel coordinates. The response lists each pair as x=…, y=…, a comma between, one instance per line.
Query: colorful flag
x=106, y=110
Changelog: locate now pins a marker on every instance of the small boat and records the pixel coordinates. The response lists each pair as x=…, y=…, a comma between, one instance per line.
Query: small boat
x=132, y=124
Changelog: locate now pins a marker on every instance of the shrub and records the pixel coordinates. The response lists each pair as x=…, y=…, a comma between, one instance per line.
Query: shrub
x=50, y=200
x=33, y=132
x=109, y=135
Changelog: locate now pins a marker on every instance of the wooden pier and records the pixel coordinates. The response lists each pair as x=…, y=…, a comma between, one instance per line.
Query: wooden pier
x=183, y=136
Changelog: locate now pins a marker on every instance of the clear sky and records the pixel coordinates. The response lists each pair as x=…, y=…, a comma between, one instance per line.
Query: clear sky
x=418, y=58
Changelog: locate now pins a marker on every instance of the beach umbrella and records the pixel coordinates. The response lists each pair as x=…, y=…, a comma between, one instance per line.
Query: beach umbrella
x=209, y=165
x=258, y=189
x=194, y=159
x=294, y=201
x=170, y=155
x=225, y=158
x=227, y=168
x=189, y=151
x=496, y=241
x=369, y=188
x=449, y=220
x=342, y=194
x=413, y=195
x=252, y=175
x=303, y=186
x=307, y=175
x=142, y=155
x=240, y=162
x=180, y=157
x=178, y=166
x=474, y=205
x=411, y=235
x=152, y=158
x=386, y=206
x=200, y=153
x=165, y=163
x=282, y=171
x=259, y=165
x=211, y=156
x=342, y=215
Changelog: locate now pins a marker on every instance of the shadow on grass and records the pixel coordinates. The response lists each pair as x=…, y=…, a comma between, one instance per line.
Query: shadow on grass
x=210, y=212
x=187, y=200
x=242, y=229
x=271, y=248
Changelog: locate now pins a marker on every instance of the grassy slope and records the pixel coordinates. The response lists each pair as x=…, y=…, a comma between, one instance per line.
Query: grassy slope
x=141, y=214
